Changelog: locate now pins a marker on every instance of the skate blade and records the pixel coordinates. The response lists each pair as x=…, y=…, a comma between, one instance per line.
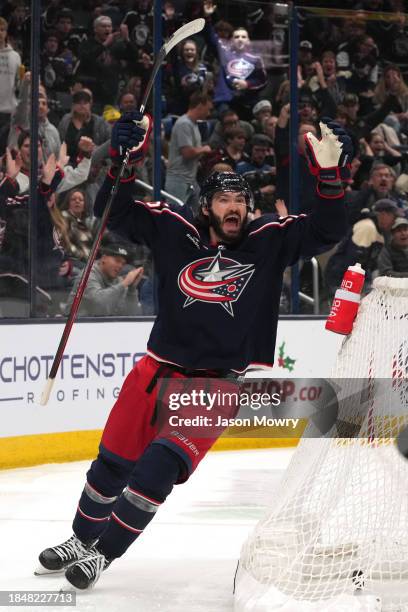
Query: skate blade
x=43, y=571
x=68, y=587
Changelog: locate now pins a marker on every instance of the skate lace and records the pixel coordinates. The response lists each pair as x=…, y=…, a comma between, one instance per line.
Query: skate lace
x=92, y=566
x=71, y=547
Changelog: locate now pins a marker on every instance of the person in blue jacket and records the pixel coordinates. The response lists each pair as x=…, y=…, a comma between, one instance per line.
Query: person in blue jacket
x=219, y=278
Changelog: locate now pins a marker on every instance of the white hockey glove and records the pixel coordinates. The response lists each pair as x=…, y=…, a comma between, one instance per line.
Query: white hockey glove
x=330, y=157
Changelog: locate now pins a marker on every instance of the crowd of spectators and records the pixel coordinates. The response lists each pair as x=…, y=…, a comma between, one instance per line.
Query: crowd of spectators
x=225, y=103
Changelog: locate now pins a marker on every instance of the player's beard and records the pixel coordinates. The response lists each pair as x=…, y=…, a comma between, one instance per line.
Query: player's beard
x=216, y=223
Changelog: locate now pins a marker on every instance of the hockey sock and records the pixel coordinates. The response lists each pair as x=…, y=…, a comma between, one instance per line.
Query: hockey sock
x=151, y=481
x=105, y=481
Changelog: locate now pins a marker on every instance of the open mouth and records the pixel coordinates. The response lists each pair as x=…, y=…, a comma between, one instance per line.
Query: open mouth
x=232, y=222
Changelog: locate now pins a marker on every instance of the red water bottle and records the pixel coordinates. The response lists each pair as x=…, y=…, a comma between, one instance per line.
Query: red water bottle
x=346, y=301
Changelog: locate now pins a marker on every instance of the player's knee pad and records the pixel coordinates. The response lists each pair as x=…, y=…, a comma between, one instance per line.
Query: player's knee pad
x=107, y=477
x=105, y=482
x=156, y=472
x=152, y=479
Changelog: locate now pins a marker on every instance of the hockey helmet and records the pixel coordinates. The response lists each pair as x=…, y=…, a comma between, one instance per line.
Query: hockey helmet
x=225, y=181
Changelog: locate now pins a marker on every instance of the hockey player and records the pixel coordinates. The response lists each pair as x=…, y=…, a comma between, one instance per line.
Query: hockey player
x=219, y=283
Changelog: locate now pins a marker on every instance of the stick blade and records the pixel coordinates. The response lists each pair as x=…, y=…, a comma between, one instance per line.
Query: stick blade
x=45, y=395
x=188, y=29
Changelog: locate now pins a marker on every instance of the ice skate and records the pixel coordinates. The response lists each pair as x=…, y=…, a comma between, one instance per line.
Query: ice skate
x=57, y=558
x=83, y=574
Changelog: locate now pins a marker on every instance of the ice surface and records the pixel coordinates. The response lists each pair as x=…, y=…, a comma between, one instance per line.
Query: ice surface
x=184, y=562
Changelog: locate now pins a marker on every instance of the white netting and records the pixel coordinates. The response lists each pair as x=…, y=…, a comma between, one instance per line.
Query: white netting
x=339, y=525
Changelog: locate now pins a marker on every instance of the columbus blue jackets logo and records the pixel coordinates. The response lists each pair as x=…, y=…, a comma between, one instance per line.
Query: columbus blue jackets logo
x=215, y=280
x=240, y=68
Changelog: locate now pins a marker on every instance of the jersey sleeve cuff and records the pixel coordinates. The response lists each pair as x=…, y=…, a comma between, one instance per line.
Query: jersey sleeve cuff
x=330, y=190
x=128, y=176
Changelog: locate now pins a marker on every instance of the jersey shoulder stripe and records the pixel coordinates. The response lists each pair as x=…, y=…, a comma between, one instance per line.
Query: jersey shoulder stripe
x=158, y=205
x=279, y=223
x=159, y=208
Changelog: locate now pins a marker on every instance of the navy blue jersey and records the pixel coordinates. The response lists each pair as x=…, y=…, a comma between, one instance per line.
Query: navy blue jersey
x=218, y=306
x=236, y=64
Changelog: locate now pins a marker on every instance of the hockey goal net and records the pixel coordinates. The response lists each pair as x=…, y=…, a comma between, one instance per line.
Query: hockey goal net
x=336, y=538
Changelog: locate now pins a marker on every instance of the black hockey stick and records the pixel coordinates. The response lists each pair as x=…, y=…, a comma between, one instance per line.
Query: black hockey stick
x=189, y=29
